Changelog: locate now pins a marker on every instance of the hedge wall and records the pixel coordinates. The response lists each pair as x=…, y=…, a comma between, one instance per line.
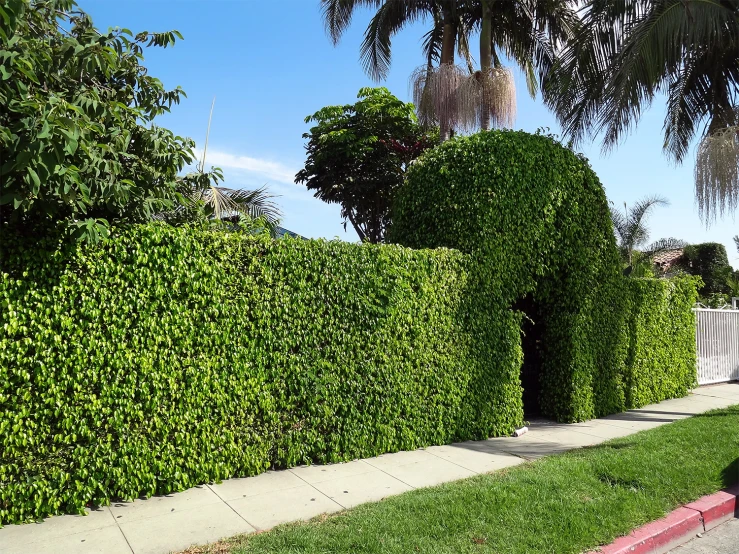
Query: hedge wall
x=166, y=357
x=536, y=217
x=661, y=362
x=172, y=357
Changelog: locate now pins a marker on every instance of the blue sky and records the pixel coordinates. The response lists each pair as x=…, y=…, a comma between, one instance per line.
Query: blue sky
x=270, y=64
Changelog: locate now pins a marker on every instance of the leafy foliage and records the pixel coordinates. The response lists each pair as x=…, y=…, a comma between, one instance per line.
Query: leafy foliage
x=358, y=154
x=625, y=54
x=77, y=143
x=536, y=218
x=526, y=32
x=661, y=363
x=632, y=235
x=710, y=262
x=169, y=356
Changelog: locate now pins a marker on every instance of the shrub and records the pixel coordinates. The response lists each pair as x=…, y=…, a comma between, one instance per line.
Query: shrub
x=171, y=357
x=78, y=144
x=710, y=262
x=536, y=217
x=168, y=357
x=661, y=362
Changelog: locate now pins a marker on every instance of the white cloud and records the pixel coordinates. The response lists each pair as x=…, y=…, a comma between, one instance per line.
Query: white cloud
x=264, y=168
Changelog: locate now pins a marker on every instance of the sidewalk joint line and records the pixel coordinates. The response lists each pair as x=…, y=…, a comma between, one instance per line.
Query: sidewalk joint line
x=318, y=491
x=125, y=538
x=453, y=463
x=232, y=508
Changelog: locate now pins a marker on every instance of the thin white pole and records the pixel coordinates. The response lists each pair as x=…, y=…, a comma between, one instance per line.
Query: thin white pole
x=207, y=135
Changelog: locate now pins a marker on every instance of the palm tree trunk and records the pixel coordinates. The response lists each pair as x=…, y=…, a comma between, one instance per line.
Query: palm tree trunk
x=486, y=60
x=448, y=41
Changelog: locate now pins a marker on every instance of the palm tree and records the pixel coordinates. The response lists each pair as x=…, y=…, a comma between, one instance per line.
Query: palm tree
x=435, y=86
x=632, y=233
x=200, y=195
x=526, y=31
x=625, y=53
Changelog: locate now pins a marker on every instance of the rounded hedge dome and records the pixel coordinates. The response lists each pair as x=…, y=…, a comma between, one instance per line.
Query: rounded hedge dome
x=536, y=217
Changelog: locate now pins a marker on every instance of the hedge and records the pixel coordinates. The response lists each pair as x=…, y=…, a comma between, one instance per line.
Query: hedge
x=710, y=262
x=536, y=217
x=661, y=362
x=167, y=358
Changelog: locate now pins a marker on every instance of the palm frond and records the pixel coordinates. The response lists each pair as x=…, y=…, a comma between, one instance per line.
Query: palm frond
x=620, y=224
x=662, y=43
x=431, y=41
x=637, y=231
x=391, y=17
x=337, y=15
x=254, y=204
x=463, y=47
x=663, y=245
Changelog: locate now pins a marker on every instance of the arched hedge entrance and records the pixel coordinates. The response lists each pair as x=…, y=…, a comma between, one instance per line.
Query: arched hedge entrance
x=536, y=218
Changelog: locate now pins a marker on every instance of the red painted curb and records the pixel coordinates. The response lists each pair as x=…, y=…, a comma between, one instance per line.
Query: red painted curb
x=679, y=526
x=659, y=534
x=716, y=508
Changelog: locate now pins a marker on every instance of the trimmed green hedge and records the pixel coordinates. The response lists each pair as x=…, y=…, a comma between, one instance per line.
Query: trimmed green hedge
x=536, y=217
x=172, y=357
x=710, y=262
x=661, y=363
x=168, y=357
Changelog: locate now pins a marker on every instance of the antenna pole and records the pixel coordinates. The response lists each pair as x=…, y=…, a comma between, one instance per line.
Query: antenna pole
x=207, y=135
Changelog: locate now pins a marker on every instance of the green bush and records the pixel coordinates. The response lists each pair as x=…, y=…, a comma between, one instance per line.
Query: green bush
x=661, y=362
x=536, y=217
x=170, y=357
x=710, y=262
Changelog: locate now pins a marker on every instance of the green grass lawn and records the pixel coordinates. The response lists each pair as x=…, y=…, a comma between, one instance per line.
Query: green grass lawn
x=566, y=503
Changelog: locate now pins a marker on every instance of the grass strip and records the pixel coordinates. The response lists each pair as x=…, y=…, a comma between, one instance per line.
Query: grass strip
x=560, y=504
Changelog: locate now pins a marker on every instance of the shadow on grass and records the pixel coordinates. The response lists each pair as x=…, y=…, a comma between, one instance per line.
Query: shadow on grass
x=730, y=476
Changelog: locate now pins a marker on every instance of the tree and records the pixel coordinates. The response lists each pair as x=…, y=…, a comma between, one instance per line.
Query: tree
x=626, y=53
x=526, y=31
x=439, y=84
x=632, y=234
x=357, y=155
x=709, y=261
x=78, y=143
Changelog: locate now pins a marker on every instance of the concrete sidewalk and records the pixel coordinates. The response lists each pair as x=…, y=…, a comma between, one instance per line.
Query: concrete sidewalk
x=210, y=512
x=724, y=539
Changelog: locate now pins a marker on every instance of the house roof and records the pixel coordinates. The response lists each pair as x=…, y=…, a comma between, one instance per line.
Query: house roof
x=668, y=257
x=281, y=232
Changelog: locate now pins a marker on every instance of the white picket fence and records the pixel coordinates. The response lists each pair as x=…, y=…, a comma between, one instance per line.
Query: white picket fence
x=717, y=339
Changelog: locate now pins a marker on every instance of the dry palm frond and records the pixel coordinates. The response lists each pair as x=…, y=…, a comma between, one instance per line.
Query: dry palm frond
x=490, y=96
x=717, y=173
x=436, y=95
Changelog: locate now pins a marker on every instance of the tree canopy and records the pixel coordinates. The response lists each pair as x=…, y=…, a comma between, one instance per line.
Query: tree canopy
x=626, y=54
x=357, y=155
x=526, y=32
x=77, y=140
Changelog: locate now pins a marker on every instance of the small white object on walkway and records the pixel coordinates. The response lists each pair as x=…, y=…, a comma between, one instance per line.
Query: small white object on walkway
x=521, y=431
